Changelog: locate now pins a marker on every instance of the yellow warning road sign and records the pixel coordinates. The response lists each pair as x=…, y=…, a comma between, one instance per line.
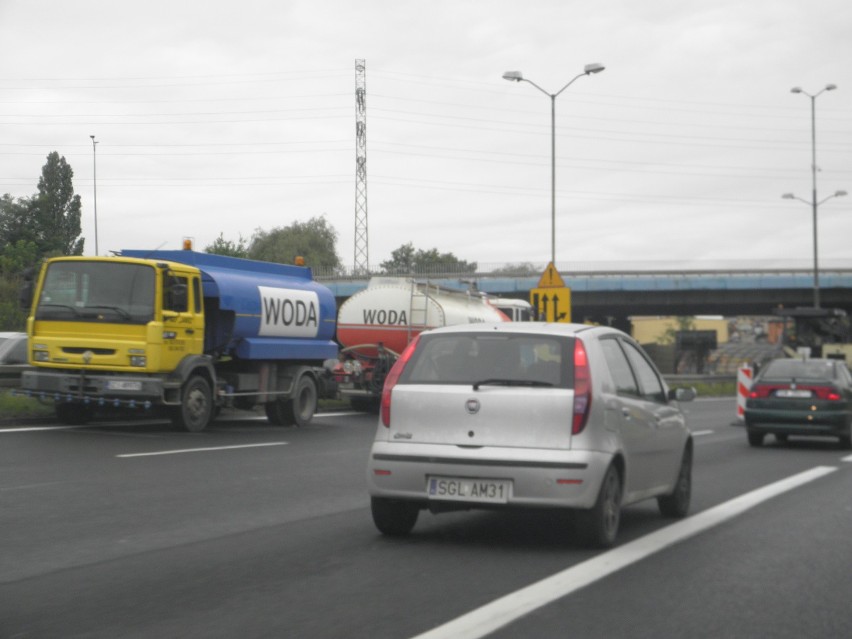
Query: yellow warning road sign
x=551, y=304
x=551, y=278
x=552, y=299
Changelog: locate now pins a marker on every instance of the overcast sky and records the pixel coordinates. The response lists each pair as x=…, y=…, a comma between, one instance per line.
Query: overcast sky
x=226, y=117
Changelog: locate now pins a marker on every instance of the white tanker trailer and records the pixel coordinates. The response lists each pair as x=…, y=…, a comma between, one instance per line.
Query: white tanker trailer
x=376, y=324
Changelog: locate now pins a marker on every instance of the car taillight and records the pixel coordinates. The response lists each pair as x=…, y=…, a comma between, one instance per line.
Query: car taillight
x=582, y=388
x=827, y=392
x=758, y=392
x=392, y=377
x=762, y=391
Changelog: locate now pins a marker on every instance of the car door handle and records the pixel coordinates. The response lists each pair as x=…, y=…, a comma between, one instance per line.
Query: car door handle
x=190, y=331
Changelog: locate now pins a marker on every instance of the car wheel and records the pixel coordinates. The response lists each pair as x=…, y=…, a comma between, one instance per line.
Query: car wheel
x=845, y=442
x=599, y=526
x=677, y=504
x=755, y=438
x=781, y=438
x=196, y=406
x=394, y=517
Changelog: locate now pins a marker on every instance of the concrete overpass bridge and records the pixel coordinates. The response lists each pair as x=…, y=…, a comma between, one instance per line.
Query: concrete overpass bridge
x=611, y=297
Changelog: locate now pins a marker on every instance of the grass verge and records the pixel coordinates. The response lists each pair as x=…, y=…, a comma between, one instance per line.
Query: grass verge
x=17, y=407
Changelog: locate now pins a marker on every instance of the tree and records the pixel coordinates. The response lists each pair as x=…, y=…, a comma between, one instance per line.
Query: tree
x=14, y=223
x=55, y=210
x=46, y=224
x=315, y=240
x=221, y=246
x=408, y=260
x=520, y=269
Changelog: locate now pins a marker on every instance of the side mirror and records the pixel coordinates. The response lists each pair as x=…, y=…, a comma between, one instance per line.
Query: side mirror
x=683, y=394
x=25, y=296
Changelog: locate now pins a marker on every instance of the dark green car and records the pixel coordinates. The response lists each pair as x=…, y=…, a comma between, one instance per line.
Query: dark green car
x=800, y=397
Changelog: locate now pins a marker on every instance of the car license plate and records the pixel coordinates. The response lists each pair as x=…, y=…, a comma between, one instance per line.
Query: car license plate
x=124, y=385
x=495, y=491
x=793, y=394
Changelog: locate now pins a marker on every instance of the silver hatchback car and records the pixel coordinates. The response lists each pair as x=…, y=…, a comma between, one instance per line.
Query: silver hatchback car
x=528, y=415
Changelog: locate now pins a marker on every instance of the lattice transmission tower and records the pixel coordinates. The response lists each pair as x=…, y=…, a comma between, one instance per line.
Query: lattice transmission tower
x=362, y=250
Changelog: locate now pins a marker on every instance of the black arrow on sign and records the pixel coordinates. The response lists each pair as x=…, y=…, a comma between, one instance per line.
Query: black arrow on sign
x=556, y=314
x=545, y=299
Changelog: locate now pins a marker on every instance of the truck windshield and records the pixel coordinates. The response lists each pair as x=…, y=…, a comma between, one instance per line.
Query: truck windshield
x=110, y=292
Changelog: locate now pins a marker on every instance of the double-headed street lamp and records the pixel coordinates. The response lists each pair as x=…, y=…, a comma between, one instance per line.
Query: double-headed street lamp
x=814, y=203
x=517, y=76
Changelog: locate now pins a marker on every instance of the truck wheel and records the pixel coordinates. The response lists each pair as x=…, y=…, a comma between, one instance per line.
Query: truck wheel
x=196, y=406
x=365, y=404
x=73, y=414
x=304, y=402
x=279, y=413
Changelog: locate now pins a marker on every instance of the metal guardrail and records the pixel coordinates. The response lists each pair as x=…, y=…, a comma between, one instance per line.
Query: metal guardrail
x=602, y=269
x=699, y=379
x=10, y=375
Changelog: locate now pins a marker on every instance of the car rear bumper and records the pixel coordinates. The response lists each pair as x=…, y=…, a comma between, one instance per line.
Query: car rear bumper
x=822, y=423
x=539, y=478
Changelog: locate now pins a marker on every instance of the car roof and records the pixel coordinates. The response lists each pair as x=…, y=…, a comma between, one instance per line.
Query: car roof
x=547, y=328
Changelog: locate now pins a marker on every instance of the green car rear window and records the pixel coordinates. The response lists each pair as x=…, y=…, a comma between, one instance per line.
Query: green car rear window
x=800, y=369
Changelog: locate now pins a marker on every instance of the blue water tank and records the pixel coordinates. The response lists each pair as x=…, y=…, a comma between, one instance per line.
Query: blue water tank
x=260, y=310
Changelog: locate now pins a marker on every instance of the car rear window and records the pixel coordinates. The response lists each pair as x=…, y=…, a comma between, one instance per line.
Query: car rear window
x=470, y=358
x=801, y=369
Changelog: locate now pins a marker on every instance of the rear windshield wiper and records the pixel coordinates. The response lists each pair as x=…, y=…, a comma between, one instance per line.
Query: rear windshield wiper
x=496, y=381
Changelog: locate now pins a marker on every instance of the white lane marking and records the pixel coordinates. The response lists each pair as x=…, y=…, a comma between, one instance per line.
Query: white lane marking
x=237, y=418
x=28, y=429
x=503, y=611
x=847, y=459
x=701, y=433
x=199, y=450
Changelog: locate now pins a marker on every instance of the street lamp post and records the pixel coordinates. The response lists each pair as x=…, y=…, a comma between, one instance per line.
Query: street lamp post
x=517, y=76
x=95, y=182
x=814, y=203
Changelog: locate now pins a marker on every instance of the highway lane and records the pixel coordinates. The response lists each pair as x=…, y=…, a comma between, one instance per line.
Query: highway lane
x=259, y=531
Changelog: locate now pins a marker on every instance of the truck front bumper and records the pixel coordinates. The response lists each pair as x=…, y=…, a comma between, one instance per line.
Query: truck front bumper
x=87, y=386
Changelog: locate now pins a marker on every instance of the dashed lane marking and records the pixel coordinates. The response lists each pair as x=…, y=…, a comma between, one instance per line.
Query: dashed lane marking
x=198, y=450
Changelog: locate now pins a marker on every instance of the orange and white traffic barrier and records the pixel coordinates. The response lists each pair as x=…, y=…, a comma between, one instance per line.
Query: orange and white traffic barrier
x=744, y=376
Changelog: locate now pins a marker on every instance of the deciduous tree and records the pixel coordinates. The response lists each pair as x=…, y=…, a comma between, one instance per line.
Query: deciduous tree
x=314, y=240
x=406, y=259
x=221, y=246
x=55, y=210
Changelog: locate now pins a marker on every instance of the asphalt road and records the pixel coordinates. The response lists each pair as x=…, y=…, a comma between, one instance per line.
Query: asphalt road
x=250, y=530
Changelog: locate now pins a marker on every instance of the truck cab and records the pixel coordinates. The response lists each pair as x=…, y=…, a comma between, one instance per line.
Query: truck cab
x=191, y=332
